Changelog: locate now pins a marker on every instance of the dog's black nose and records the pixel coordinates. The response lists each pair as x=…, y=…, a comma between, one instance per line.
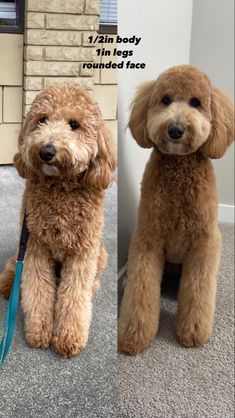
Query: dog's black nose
x=176, y=131
x=47, y=152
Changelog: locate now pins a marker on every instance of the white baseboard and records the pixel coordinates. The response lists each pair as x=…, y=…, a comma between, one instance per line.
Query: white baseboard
x=122, y=271
x=226, y=213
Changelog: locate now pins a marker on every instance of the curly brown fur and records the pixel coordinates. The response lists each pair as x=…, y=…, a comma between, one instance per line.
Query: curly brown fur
x=177, y=218
x=64, y=204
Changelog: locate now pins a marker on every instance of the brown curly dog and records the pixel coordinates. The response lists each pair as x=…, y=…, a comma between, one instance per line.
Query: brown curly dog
x=67, y=158
x=186, y=121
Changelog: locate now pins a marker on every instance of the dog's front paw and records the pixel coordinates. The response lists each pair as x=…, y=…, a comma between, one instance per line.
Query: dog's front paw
x=5, y=290
x=69, y=342
x=191, y=333
x=38, y=334
x=134, y=337
x=6, y=281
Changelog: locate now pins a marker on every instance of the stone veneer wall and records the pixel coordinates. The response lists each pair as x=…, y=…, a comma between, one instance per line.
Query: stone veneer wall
x=56, y=44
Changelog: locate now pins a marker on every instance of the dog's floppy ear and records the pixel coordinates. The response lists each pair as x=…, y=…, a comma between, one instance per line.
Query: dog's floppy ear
x=139, y=113
x=19, y=164
x=222, y=125
x=18, y=161
x=100, y=173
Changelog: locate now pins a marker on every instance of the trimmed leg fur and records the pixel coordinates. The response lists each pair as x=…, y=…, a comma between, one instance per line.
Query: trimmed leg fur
x=197, y=293
x=139, y=313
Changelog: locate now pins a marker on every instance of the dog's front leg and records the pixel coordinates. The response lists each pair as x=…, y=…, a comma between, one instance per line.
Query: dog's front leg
x=197, y=293
x=139, y=313
x=38, y=296
x=73, y=308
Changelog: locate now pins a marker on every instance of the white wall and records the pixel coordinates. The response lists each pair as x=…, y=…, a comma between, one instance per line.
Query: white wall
x=165, y=29
x=212, y=49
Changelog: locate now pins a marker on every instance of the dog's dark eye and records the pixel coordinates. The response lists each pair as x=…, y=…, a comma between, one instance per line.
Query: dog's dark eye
x=43, y=120
x=74, y=124
x=166, y=100
x=194, y=102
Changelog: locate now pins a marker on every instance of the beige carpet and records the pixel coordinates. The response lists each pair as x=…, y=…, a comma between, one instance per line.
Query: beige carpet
x=169, y=381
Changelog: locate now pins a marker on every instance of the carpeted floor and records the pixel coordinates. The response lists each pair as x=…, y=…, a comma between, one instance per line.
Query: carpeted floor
x=164, y=382
x=171, y=381
x=39, y=383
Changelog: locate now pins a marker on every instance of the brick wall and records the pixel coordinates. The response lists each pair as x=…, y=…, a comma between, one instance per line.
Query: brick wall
x=55, y=44
x=55, y=47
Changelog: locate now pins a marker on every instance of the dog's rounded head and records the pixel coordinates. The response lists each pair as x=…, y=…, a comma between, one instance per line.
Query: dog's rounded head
x=64, y=136
x=181, y=112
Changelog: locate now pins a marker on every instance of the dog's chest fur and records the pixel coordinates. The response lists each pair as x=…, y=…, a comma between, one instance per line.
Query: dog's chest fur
x=63, y=219
x=179, y=199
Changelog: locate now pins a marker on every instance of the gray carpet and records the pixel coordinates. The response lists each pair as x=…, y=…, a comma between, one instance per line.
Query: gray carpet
x=39, y=383
x=166, y=381
x=171, y=381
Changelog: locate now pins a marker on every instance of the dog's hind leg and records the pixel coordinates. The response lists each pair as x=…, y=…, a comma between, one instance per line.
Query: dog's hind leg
x=139, y=313
x=197, y=292
x=101, y=264
x=7, y=277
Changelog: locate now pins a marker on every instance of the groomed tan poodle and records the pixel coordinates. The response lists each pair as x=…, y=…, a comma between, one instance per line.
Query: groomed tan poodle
x=67, y=157
x=186, y=121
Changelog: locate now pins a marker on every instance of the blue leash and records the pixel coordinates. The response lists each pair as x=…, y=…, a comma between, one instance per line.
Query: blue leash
x=10, y=320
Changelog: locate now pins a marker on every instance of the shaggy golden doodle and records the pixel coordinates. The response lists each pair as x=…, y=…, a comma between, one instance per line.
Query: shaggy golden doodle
x=186, y=121
x=67, y=158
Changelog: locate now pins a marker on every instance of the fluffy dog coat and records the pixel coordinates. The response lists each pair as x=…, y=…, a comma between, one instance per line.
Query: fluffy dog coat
x=187, y=121
x=67, y=158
